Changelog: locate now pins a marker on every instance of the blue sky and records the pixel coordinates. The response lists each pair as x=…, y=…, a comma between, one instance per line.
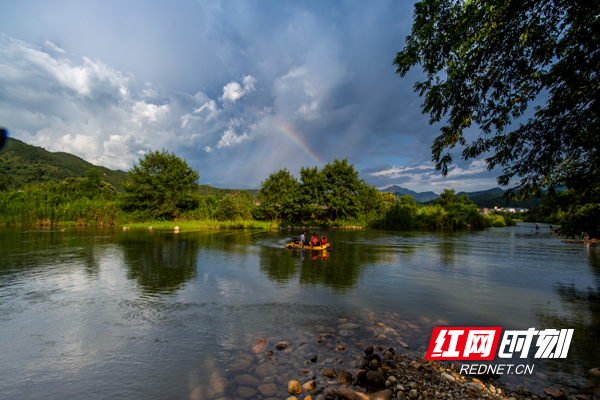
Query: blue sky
x=240, y=89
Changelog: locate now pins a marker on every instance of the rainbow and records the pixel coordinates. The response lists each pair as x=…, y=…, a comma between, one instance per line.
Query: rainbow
x=287, y=131
x=296, y=139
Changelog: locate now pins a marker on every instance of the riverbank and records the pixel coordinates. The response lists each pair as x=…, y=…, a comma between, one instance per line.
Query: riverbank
x=336, y=364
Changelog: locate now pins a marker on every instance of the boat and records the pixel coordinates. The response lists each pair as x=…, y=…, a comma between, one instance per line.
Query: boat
x=295, y=244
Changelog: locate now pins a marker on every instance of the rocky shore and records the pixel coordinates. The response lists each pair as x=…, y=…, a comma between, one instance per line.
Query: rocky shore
x=339, y=364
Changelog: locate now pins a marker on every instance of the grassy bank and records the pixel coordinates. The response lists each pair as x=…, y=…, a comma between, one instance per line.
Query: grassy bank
x=92, y=202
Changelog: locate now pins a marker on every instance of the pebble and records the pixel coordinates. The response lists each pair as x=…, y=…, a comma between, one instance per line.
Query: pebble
x=294, y=387
x=375, y=379
x=247, y=380
x=363, y=363
x=345, y=377
x=374, y=364
x=595, y=372
x=328, y=372
x=413, y=394
x=312, y=375
x=308, y=386
x=553, y=392
x=268, y=389
x=245, y=392
x=330, y=393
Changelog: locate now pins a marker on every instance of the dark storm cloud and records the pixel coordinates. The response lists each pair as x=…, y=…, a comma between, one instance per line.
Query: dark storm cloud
x=240, y=88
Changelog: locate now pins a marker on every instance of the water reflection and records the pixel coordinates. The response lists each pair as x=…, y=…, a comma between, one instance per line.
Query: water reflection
x=582, y=304
x=160, y=262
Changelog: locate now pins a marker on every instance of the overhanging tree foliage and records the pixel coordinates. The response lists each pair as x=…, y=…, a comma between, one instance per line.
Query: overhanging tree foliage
x=487, y=61
x=161, y=185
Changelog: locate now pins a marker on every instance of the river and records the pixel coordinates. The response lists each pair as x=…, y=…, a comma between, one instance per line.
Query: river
x=104, y=313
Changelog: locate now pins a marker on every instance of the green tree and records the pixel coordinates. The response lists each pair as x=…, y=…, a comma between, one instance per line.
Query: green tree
x=279, y=196
x=459, y=210
x=235, y=206
x=162, y=185
x=311, y=191
x=342, y=186
x=486, y=62
x=369, y=199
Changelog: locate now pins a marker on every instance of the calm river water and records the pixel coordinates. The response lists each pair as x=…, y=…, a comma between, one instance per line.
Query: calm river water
x=138, y=314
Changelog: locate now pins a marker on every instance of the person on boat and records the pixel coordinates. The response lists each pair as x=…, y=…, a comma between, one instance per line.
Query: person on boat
x=314, y=241
x=537, y=228
x=303, y=239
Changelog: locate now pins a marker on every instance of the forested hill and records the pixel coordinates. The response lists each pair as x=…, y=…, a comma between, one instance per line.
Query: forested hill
x=22, y=164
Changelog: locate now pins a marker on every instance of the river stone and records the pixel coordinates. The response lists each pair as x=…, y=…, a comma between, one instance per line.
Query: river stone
x=308, y=386
x=268, y=389
x=595, y=372
x=388, y=356
x=413, y=394
x=294, y=387
x=474, y=386
x=349, y=325
x=369, y=350
x=269, y=379
x=281, y=345
x=308, y=397
x=375, y=379
x=219, y=385
x=241, y=364
x=361, y=375
x=345, y=393
x=363, y=363
x=374, y=364
x=400, y=395
x=245, y=392
x=320, y=397
x=292, y=398
x=328, y=372
x=345, y=377
x=314, y=358
x=265, y=370
x=330, y=393
x=447, y=377
x=403, y=344
x=555, y=393
x=312, y=375
x=247, y=380
x=392, y=379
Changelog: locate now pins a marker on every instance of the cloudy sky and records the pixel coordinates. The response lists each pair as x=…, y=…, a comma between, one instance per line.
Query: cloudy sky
x=239, y=89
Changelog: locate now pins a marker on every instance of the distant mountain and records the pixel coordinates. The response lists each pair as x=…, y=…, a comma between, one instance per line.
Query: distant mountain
x=22, y=163
x=210, y=190
x=422, y=197
x=491, y=191
x=484, y=198
x=230, y=186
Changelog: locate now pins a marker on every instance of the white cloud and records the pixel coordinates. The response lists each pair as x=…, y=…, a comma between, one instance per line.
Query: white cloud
x=233, y=90
x=208, y=149
x=229, y=137
x=475, y=167
x=53, y=47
